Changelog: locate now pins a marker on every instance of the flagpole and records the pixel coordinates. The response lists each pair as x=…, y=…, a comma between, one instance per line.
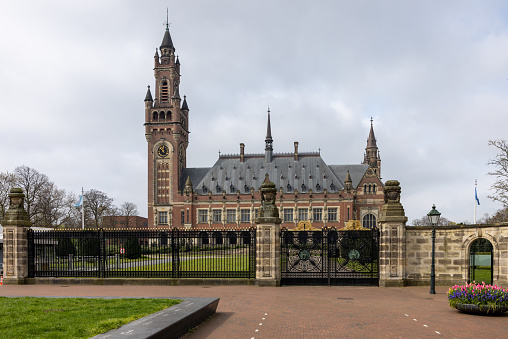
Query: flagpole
x=475, y=200
x=83, y=211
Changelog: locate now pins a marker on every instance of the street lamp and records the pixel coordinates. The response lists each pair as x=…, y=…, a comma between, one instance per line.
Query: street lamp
x=433, y=219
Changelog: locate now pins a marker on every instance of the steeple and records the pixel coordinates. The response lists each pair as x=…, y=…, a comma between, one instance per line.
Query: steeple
x=371, y=141
x=268, y=140
x=148, y=96
x=167, y=43
x=371, y=156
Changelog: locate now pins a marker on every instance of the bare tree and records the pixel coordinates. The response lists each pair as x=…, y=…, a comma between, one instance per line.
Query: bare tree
x=33, y=183
x=500, y=186
x=7, y=181
x=54, y=208
x=97, y=204
x=424, y=221
x=128, y=211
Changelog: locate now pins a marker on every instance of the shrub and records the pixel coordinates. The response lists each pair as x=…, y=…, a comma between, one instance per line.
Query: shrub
x=65, y=247
x=478, y=294
x=132, y=248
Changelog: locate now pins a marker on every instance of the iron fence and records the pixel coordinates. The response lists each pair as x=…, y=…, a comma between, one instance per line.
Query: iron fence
x=330, y=256
x=142, y=253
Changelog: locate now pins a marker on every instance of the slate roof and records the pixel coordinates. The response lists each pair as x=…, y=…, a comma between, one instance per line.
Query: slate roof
x=229, y=174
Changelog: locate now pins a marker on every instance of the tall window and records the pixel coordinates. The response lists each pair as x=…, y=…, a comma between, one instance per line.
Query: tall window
x=332, y=213
x=217, y=216
x=369, y=221
x=303, y=214
x=256, y=211
x=245, y=215
x=317, y=214
x=202, y=216
x=288, y=215
x=183, y=217
x=163, y=218
x=231, y=215
x=165, y=90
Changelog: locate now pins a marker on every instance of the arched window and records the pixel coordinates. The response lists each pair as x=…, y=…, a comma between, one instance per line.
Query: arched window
x=245, y=237
x=155, y=116
x=374, y=189
x=165, y=90
x=168, y=115
x=162, y=116
x=365, y=189
x=203, y=237
x=369, y=221
x=232, y=237
x=217, y=236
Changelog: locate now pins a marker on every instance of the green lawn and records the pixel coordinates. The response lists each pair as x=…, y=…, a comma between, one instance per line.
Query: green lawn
x=236, y=264
x=482, y=274
x=30, y=317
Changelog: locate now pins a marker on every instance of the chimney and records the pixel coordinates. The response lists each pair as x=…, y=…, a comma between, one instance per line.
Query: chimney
x=242, y=151
x=296, y=150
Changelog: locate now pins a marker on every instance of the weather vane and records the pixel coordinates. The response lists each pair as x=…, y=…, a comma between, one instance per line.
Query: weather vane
x=167, y=23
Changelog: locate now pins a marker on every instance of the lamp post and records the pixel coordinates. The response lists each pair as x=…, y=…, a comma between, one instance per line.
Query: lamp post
x=433, y=219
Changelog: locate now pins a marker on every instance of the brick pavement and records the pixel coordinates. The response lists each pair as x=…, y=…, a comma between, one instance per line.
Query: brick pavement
x=307, y=311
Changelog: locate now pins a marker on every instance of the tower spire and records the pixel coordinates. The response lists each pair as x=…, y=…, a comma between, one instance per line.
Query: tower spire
x=372, y=157
x=268, y=140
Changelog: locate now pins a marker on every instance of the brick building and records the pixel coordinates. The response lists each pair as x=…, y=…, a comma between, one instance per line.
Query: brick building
x=124, y=222
x=226, y=195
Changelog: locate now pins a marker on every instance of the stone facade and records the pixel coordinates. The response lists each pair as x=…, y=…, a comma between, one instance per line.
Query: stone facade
x=453, y=244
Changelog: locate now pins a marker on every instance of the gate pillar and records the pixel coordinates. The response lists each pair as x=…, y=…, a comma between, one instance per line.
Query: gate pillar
x=392, y=240
x=268, y=238
x=16, y=224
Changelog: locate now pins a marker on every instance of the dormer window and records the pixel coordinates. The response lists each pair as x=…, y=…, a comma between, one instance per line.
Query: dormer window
x=231, y=189
x=289, y=187
x=246, y=188
x=217, y=188
x=204, y=189
x=165, y=90
x=318, y=187
x=332, y=187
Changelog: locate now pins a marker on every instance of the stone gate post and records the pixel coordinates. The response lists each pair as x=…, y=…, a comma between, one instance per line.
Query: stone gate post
x=392, y=241
x=16, y=224
x=268, y=238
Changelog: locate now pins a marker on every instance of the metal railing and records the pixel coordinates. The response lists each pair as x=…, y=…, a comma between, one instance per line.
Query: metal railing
x=142, y=253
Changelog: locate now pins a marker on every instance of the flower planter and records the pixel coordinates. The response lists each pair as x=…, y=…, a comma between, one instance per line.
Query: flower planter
x=481, y=309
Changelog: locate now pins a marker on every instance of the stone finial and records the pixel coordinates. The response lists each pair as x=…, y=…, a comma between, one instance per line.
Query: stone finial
x=392, y=206
x=16, y=214
x=268, y=212
x=392, y=192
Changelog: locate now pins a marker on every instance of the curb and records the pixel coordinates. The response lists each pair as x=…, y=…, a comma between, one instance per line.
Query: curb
x=173, y=322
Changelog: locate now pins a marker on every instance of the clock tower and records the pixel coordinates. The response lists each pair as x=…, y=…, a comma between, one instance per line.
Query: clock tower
x=167, y=134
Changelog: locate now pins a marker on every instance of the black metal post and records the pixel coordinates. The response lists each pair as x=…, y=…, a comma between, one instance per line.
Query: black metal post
x=432, y=269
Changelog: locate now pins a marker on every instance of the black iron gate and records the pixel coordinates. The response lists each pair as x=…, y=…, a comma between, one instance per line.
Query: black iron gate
x=330, y=257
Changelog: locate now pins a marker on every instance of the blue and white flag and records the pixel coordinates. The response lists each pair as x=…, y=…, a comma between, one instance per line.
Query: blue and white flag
x=476, y=196
x=79, y=202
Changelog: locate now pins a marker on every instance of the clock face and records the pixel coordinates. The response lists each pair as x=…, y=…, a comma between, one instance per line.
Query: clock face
x=163, y=151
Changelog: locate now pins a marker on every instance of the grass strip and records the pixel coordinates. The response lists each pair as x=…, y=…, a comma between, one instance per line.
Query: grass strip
x=31, y=317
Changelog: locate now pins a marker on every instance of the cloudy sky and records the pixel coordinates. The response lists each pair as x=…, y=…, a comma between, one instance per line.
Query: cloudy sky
x=433, y=75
